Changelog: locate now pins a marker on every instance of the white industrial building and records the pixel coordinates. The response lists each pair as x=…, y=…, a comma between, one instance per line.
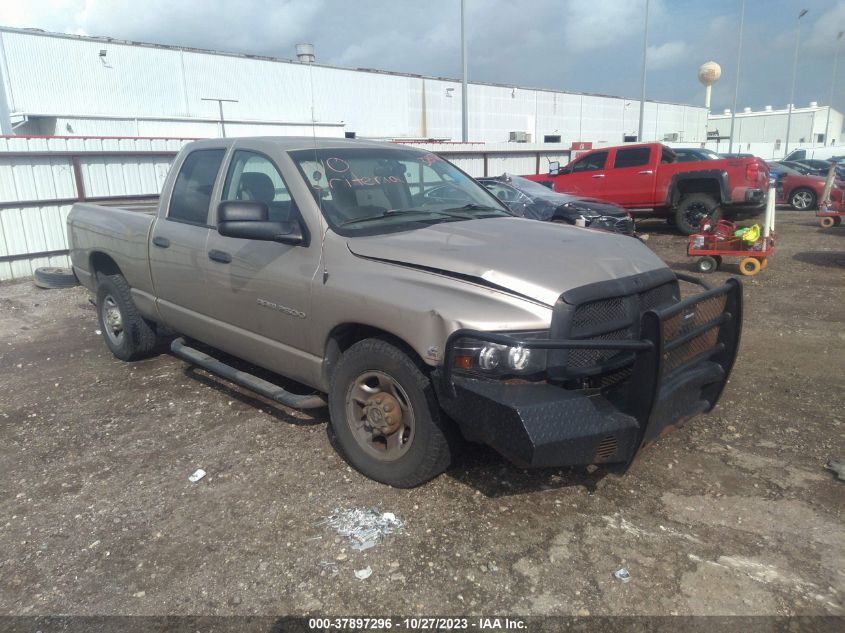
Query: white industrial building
x=809, y=126
x=55, y=84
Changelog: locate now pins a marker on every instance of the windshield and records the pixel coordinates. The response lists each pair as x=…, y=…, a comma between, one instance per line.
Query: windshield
x=382, y=189
x=784, y=169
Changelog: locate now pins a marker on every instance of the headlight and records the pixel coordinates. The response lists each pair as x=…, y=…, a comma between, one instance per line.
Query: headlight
x=494, y=359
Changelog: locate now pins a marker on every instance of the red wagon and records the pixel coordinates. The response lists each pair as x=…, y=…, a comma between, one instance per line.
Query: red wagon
x=829, y=217
x=718, y=240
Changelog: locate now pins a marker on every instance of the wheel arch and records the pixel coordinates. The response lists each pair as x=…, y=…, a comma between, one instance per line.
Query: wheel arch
x=345, y=335
x=100, y=262
x=709, y=181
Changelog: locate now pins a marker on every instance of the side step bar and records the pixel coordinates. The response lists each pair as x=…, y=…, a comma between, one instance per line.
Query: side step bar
x=254, y=383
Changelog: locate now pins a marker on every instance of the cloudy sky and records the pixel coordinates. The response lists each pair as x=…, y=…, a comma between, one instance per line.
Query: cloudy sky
x=580, y=45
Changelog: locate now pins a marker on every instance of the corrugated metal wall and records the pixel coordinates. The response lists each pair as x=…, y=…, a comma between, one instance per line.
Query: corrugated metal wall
x=27, y=228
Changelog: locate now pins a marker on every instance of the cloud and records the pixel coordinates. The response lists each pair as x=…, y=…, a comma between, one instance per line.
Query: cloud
x=667, y=55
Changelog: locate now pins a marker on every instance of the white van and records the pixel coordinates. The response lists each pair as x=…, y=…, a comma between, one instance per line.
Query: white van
x=819, y=153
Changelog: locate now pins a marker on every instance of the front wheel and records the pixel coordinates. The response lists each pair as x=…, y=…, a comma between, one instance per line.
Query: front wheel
x=693, y=210
x=385, y=417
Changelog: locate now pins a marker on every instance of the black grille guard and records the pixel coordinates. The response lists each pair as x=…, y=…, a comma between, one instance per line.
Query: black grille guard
x=681, y=363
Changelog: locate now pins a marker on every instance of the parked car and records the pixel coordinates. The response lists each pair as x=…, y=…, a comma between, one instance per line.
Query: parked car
x=824, y=153
x=530, y=199
x=736, y=155
x=694, y=154
x=649, y=176
x=820, y=167
x=800, y=191
x=415, y=321
x=800, y=168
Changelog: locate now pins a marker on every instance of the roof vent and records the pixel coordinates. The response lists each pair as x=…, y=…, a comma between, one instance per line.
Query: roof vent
x=305, y=53
x=746, y=110
x=768, y=108
x=727, y=111
x=814, y=104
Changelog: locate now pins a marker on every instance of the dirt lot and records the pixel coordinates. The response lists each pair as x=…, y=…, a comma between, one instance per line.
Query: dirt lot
x=732, y=514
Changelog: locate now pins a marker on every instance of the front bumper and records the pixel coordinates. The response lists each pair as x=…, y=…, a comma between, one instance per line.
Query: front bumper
x=624, y=225
x=678, y=368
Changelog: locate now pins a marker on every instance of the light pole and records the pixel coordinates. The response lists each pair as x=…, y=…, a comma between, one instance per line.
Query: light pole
x=464, y=106
x=801, y=14
x=736, y=85
x=642, y=81
x=220, y=106
x=832, y=85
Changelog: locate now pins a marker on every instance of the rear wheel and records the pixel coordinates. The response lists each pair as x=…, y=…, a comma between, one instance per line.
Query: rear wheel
x=128, y=335
x=802, y=199
x=827, y=222
x=693, y=210
x=385, y=417
x=749, y=266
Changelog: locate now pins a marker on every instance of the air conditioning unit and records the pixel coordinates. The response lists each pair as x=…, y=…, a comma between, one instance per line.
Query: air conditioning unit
x=672, y=137
x=519, y=137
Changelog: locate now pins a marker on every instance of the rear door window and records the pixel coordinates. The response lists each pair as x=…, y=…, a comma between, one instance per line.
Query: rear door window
x=191, y=195
x=632, y=157
x=593, y=162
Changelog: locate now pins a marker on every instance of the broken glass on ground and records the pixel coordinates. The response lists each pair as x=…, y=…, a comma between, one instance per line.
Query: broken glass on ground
x=365, y=527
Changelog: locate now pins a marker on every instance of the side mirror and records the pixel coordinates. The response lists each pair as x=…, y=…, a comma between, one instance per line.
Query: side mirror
x=554, y=168
x=249, y=220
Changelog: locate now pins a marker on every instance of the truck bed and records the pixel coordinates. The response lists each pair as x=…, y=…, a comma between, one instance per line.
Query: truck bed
x=118, y=232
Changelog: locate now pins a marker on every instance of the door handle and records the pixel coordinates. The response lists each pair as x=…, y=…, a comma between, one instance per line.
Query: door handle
x=647, y=171
x=161, y=242
x=598, y=175
x=219, y=256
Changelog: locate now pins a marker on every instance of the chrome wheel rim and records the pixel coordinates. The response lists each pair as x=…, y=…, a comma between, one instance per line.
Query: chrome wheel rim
x=802, y=199
x=380, y=416
x=112, y=320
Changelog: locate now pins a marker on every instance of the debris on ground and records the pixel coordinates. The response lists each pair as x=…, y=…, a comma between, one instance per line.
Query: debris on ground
x=363, y=574
x=837, y=466
x=622, y=574
x=366, y=528
x=198, y=474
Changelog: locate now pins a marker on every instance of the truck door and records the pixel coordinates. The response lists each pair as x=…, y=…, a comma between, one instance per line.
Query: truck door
x=260, y=292
x=585, y=176
x=630, y=180
x=177, y=242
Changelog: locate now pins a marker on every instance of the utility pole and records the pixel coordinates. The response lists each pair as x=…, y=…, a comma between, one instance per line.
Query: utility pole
x=220, y=107
x=464, y=103
x=794, y=73
x=832, y=85
x=642, y=82
x=736, y=85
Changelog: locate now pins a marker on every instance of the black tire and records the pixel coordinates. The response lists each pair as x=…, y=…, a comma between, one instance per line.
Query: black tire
x=803, y=199
x=433, y=442
x=693, y=209
x=136, y=337
x=55, y=278
x=707, y=265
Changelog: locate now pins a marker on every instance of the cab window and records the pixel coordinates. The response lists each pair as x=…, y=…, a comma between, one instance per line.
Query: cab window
x=592, y=162
x=632, y=157
x=191, y=195
x=254, y=177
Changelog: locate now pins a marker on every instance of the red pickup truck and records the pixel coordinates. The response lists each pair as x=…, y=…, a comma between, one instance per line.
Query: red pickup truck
x=648, y=176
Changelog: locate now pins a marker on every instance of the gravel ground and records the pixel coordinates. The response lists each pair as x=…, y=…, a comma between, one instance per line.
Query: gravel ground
x=732, y=514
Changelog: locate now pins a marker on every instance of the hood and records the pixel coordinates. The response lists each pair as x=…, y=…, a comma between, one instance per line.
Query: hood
x=593, y=207
x=538, y=260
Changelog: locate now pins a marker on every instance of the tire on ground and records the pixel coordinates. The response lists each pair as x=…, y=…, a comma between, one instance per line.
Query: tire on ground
x=51, y=277
x=137, y=337
x=694, y=208
x=434, y=440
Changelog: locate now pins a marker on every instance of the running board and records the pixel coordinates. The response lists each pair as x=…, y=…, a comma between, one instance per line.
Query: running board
x=254, y=383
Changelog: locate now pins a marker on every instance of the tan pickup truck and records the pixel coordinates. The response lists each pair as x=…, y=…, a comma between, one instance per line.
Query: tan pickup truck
x=401, y=294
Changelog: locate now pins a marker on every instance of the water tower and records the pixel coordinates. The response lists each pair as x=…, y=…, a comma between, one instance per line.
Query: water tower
x=708, y=74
